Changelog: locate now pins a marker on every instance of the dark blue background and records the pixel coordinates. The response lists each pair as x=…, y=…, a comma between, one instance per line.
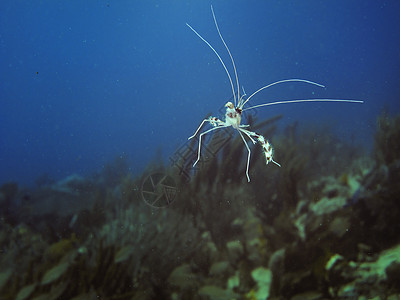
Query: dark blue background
x=84, y=81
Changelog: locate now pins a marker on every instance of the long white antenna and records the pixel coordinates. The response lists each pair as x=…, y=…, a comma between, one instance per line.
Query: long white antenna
x=230, y=55
x=304, y=100
x=278, y=82
x=219, y=57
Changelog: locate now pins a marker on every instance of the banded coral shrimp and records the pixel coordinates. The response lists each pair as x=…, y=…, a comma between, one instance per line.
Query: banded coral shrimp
x=233, y=115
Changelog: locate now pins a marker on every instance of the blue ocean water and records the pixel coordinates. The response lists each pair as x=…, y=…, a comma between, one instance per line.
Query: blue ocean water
x=84, y=82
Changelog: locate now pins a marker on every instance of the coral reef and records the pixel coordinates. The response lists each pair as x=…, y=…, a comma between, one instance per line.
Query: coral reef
x=323, y=226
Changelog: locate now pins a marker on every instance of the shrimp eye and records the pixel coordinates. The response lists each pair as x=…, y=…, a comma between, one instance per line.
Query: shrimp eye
x=229, y=105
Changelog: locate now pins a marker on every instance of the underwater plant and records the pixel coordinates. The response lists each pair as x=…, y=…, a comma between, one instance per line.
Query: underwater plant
x=387, y=138
x=315, y=228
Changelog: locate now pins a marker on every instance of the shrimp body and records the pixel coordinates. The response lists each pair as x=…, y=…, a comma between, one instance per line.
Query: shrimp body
x=233, y=115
